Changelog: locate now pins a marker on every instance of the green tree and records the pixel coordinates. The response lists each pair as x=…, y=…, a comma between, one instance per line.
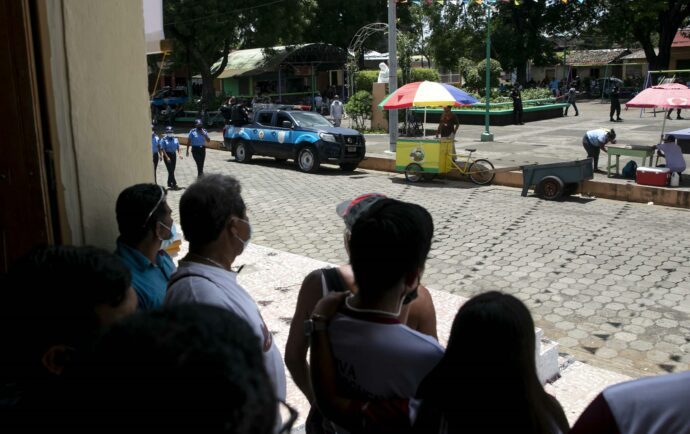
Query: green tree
x=406, y=49
x=475, y=74
x=645, y=21
x=526, y=32
x=337, y=21
x=359, y=108
x=205, y=31
x=519, y=33
x=454, y=34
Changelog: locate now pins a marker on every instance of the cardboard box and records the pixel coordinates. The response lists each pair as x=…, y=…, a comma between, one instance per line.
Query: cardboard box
x=658, y=176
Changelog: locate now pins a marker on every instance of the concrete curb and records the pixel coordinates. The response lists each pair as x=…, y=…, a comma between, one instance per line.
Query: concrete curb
x=605, y=190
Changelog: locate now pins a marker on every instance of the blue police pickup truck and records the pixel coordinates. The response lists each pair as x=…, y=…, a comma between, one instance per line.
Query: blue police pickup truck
x=305, y=137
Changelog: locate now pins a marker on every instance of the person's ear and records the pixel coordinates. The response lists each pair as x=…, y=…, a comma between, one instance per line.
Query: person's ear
x=56, y=358
x=412, y=278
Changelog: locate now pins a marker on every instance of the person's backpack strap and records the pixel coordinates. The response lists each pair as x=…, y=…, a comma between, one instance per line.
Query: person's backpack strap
x=332, y=281
x=182, y=276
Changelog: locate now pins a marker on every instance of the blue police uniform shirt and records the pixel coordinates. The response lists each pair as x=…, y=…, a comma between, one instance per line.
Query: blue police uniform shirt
x=197, y=138
x=149, y=280
x=155, y=143
x=170, y=144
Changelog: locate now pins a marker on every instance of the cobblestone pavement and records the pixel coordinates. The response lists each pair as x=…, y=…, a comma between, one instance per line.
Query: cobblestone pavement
x=608, y=280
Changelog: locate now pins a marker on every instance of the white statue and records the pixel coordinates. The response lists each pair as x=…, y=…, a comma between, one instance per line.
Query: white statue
x=383, y=73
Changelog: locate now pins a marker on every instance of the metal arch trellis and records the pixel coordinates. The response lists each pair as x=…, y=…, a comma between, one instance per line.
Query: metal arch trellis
x=356, y=46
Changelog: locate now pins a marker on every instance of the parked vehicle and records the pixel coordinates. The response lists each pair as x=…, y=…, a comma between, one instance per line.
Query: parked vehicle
x=170, y=97
x=305, y=137
x=168, y=103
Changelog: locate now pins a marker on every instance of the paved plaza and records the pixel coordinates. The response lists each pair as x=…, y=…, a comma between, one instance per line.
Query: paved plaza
x=608, y=280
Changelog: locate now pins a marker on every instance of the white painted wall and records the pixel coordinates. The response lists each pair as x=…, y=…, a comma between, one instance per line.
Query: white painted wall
x=99, y=84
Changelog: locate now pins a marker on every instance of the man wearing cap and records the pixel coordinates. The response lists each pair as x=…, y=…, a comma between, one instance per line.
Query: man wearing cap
x=378, y=356
x=337, y=111
x=595, y=141
x=198, y=137
x=171, y=147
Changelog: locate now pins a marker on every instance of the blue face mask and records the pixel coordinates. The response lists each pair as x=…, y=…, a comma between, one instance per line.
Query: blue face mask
x=165, y=243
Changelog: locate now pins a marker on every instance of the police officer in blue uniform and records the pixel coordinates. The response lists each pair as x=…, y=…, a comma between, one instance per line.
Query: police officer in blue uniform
x=156, y=150
x=171, y=147
x=198, y=137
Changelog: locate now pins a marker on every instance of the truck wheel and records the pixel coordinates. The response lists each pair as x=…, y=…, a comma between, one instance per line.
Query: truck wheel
x=550, y=188
x=307, y=160
x=243, y=154
x=348, y=167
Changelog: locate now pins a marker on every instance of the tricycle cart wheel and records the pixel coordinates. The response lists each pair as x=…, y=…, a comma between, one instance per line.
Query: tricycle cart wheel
x=550, y=188
x=413, y=172
x=482, y=172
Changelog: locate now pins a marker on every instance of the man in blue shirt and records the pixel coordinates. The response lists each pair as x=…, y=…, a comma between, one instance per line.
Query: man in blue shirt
x=170, y=146
x=198, y=137
x=595, y=141
x=156, y=150
x=145, y=222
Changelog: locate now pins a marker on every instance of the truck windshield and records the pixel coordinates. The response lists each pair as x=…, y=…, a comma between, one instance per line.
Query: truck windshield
x=310, y=120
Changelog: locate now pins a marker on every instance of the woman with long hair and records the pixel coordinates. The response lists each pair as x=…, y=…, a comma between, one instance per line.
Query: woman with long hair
x=487, y=380
x=485, y=383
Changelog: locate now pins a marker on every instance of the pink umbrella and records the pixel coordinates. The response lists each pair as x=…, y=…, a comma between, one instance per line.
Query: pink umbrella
x=667, y=96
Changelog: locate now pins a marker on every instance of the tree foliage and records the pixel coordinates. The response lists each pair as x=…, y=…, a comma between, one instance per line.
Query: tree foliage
x=205, y=31
x=358, y=108
x=475, y=74
x=646, y=22
x=519, y=33
x=337, y=21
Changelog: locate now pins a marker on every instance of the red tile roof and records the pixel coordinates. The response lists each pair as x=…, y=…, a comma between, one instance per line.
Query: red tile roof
x=680, y=40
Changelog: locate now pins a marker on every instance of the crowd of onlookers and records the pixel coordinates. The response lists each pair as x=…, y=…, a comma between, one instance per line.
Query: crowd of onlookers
x=95, y=341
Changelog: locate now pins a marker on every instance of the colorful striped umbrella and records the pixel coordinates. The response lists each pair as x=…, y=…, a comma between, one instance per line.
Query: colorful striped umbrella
x=427, y=94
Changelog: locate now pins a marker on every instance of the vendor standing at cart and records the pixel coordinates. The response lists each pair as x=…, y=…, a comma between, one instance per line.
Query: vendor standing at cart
x=595, y=141
x=448, y=125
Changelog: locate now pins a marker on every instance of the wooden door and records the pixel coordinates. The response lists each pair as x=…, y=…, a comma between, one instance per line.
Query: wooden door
x=26, y=176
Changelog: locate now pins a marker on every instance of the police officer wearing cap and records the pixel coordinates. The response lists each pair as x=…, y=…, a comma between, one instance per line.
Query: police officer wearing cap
x=198, y=137
x=170, y=146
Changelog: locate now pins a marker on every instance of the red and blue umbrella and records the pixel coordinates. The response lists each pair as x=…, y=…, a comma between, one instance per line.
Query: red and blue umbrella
x=427, y=94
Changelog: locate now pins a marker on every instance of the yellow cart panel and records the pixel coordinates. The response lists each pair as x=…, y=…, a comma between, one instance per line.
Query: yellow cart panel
x=431, y=154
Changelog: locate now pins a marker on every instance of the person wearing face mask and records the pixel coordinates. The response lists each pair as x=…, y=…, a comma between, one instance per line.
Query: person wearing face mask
x=376, y=354
x=171, y=148
x=146, y=227
x=214, y=221
x=419, y=315
x=197, y=139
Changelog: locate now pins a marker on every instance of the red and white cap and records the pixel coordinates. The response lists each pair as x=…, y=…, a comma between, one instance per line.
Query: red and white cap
x=351, y=210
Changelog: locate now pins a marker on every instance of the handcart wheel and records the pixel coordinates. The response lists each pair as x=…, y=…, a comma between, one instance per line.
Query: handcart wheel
x=482, y=172
x=550, y=188
x=413, y=172
x=570, y=189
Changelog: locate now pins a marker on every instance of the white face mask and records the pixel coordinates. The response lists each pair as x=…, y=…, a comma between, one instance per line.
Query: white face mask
x=245, y=243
